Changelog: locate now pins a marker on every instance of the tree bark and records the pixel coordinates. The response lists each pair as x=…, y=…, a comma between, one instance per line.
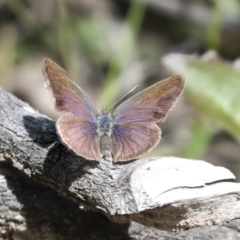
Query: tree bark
x=163, y=192
x=30, y=210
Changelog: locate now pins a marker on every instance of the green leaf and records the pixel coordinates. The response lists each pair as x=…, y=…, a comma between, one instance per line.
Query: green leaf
x=198, y=142
x=212, y=87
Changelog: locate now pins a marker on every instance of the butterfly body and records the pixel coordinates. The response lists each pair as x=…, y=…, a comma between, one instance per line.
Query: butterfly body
x=104, y=124
x=104, y=129
x=124, y=135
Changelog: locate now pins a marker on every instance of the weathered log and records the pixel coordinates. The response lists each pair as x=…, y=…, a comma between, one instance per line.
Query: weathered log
x=30, y=210
x=164, y=192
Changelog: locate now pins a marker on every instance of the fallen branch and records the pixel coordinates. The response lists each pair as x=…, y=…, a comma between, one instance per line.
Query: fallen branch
x=30, y=210
x=164, y=192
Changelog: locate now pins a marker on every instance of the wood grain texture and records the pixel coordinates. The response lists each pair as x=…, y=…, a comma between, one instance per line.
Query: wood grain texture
x=30, y=210
x=163, y=192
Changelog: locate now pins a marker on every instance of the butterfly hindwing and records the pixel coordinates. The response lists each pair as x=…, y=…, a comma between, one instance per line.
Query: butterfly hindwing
x=134, y=139
x=80, y=136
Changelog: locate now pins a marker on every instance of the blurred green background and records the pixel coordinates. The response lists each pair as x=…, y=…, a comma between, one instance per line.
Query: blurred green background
x=108, y=47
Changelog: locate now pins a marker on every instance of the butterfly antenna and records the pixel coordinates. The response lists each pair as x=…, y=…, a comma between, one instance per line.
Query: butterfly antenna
x=93, y=101
x=123, y=96
x=104, y=109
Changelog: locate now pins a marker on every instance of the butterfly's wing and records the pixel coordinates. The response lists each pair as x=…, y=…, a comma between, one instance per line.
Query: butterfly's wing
x=69, y=97
x=79, y=135
x=76, y=127
x=134, y=139
x=135, y=129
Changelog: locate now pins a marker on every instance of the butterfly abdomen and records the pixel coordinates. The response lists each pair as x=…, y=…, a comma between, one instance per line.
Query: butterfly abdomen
x=106, y=146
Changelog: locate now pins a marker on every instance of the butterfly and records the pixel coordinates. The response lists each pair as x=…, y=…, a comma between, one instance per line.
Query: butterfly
x=124, y=135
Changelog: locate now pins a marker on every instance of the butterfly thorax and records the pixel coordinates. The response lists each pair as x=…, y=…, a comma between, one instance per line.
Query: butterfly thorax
x=104, y=124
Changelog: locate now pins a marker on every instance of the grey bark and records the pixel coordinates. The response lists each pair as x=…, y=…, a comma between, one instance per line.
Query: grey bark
x=166, y=193
x=29, y=210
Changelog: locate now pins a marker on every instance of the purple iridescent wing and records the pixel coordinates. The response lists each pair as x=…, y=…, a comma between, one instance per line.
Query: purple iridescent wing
x=77, y=126
x=135, y=130
x=80, y=136
x=69, y=97
x=134, y=139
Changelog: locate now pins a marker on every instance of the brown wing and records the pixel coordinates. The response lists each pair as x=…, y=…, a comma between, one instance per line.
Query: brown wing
x=80, y=136
x=69, y=97
x=151, y=104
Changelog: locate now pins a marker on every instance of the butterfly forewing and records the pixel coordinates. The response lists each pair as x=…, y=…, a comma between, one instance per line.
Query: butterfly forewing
x=151, y=104
x=79, y=135
x=68, y=96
